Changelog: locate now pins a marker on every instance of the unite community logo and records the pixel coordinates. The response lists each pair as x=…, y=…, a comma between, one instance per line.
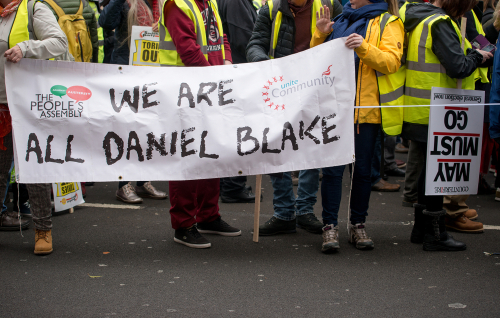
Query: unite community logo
x=50, y=107
x=272, y=95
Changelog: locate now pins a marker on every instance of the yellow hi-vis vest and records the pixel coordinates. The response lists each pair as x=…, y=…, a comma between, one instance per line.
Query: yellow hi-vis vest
x=257, y=4
x=424, y=71
x=167, y=51
x=22, y=27
x=99, y=33
x=276, y=18
x=480, y=72
x=391, y=89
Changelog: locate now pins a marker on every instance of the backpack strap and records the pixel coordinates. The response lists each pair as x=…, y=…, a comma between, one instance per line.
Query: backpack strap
x=56, y=8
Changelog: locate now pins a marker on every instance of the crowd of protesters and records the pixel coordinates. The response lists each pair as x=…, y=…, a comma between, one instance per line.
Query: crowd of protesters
x=401, y=50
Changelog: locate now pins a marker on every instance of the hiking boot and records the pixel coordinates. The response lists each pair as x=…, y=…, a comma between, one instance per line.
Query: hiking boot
x=43, y=242
x=436, y=238
x=358, y=236
x=218, y=226
x=384, y=186
x=276, y=226
x=463, y=224
x=147, y=190
x=484, y=187
x=310, y=223
x=471, y=214
x=191, y=237
x=127, y=194
x=330, y=239
x=10, y=222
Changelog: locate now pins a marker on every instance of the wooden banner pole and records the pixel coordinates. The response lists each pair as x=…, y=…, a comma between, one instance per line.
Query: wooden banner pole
x=256, y=217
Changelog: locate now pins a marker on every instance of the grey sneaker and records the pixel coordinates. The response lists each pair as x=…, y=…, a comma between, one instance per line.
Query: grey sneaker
x=127, y=194
x=149, y=191
x=358, y=236
x=330, y=239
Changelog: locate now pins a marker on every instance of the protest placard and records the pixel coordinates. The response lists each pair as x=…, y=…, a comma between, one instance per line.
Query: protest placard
x=144, y=46
x=454, y=142
x=67, y=195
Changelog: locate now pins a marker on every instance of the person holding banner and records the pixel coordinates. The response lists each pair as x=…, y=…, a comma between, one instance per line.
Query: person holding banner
x=376, y=35
x=295, y=22
x=29, y=30
x=439, y=62
x=191, y=35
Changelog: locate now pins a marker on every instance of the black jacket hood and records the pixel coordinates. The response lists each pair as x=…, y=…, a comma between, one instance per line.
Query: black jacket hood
x=416, y=12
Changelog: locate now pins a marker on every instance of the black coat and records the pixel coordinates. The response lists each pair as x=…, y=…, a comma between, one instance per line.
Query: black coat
x=259, y=45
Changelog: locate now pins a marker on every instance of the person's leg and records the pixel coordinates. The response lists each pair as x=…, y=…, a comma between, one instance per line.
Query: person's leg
x=4, y=207
x=375, y=172
x=208, y=217
x=234, y=190
x=486, y=151
x=389, y=153
x=331, y=194
x=306, y=199
x=283, y=220
x=183, y=210
x=9, y=221
x=416, y=157
x=41, y=210
x=364, y=144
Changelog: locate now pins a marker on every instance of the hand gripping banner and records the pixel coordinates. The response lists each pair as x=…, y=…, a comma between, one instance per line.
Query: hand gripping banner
x=96, y=122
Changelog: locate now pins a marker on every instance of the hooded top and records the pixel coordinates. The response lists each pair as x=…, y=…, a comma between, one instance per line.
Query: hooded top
x=445, y=41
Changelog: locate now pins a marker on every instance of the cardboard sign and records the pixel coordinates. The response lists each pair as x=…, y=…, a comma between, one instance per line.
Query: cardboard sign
x=67, y=195
x=454, y=142
x=144, y=45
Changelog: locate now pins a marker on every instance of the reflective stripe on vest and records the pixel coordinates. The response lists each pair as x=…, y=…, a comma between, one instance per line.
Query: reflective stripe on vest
x=276, y=21
x=424, y=70
x=480, y=72
x=20, y=30
x=391, y=89
x=167, y=51
x=257, y=4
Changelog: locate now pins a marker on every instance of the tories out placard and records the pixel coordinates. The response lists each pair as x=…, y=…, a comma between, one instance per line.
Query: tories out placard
x=454, y=141
x=93, y=122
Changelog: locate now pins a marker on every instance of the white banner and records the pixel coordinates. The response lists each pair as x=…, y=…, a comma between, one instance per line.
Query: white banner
x=67, y=195
x=95, y=122
x=144, y=45
x=454, y=142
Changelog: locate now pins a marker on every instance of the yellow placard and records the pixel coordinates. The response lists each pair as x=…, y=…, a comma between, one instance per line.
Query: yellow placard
x=66, y=188
x=146, y=53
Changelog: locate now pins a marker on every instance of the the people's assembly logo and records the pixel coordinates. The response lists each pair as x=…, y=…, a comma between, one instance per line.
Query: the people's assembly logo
x=49, y=106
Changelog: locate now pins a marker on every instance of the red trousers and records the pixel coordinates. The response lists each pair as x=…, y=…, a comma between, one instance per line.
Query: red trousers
x=486, y=149
x=193, y=201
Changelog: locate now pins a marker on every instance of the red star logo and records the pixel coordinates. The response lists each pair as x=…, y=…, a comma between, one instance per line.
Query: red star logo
x=277, y=106
x=283, y=107
x=281, y=78
x=266, y=87
x=274, y=78
x=265, y=94
x=270, y=83
x=266, y=100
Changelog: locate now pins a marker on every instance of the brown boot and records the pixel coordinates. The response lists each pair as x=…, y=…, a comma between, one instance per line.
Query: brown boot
x=463, y=224
x=471, y=214
x=384, y=186
x=43, y=242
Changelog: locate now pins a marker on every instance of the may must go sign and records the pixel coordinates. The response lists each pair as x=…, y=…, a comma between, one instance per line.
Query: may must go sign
x=454, y=141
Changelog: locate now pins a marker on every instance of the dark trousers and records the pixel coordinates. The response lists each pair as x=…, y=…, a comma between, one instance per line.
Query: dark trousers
x=39, y=193
x=232, y=185
x=432, y=203
x=193, y=201
x=331, y=186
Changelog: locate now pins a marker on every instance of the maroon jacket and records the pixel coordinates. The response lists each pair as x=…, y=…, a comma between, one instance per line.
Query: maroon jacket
x=182, y=31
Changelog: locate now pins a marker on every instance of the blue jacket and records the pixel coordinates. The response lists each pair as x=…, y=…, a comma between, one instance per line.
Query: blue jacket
x=495, y=95
x=114, y=17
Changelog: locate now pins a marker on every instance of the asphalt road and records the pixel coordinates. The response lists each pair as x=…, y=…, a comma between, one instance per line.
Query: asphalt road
x=121, y=262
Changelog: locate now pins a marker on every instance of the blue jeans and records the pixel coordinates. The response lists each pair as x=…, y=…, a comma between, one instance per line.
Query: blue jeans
x=331, y=186
x=286, y=205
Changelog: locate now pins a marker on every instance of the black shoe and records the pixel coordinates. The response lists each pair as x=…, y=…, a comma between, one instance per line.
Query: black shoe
x=191, y=237
x=10, y=222
x=310, y=223
x=277, y=226
x=395, y=172
x=218, y=226
x=244, y=196
x=484, y=187
x=446, y=243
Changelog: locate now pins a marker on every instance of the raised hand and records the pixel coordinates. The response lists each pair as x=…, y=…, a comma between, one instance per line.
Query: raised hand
x=323, y=22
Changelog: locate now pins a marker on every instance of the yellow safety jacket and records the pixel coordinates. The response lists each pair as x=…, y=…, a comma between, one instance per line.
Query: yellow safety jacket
x=424, y=71
x=480, y=72
x=22, y=28
x=167, y=52
x=257, y=4
x=276, y=18
x=99, y=32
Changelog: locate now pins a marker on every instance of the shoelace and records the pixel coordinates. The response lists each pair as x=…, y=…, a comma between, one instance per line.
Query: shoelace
x=42, y=235
x=127, y=188
x=194, y=231
x=361, y=233
x=331, y=234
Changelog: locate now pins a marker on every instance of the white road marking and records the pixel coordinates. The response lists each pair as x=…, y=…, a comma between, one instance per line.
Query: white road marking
x=491, y=227
x=111, y=206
